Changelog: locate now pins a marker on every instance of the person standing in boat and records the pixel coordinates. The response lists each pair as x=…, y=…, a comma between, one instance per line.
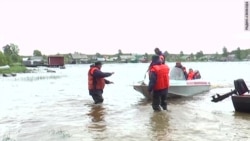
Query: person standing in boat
x=97, y=81
x=180, y=66
x=161, y=55
x=158, y=83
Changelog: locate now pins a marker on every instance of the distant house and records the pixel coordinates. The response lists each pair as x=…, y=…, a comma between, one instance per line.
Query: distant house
x=100, y=59
x=55, y=61
x=78, y=58
x=247, y=58
x=127, y=57
x=143, y=59
x=231, y=57
x=185, y=57
x=33, y=61
x=111, y=59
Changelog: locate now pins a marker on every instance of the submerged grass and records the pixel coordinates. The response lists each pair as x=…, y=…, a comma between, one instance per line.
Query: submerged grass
x=7, y=138
x=36, y=78
x=17, y=68
x=61, y=133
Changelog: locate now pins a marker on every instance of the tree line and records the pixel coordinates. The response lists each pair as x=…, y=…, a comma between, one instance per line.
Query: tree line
x=10, y=55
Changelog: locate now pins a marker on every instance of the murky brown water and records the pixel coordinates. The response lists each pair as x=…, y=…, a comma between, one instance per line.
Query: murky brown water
x=56, y=107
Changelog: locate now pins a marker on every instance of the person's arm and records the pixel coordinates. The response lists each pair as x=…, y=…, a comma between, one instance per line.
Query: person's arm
x=152, y=81
x=100, y=74
x=108, y=82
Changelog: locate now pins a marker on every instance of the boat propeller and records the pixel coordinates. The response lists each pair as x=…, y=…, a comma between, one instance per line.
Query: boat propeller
x=240, y=89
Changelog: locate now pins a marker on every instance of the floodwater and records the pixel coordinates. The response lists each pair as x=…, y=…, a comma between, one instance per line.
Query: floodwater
x=56, y=107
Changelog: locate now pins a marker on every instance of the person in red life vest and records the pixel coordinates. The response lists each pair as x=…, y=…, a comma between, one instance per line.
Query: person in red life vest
x=97, y=81
x=158, y=84
x=190, y=74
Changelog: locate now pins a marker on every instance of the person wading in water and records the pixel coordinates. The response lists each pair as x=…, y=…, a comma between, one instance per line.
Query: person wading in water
x=97, y=81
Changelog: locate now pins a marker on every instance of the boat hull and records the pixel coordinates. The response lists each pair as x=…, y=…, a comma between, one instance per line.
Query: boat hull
x=178, y=88
x=241, y=103
x=4, y=67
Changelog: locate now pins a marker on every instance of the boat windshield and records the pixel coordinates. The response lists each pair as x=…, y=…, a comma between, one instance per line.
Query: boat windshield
x=177, y=74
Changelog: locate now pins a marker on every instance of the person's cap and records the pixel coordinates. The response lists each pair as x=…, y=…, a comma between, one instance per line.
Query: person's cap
x=98, y=63
x=155, y=58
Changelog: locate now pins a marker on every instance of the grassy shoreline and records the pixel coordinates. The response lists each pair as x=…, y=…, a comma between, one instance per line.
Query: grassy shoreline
x=14, y=69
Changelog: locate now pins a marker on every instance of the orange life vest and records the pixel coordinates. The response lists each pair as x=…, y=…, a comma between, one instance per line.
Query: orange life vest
x=95, y=83
x=190, y=75
x=162, y=72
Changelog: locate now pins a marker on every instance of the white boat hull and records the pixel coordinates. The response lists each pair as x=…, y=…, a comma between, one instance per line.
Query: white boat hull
x=5, y=67
x=179, y=88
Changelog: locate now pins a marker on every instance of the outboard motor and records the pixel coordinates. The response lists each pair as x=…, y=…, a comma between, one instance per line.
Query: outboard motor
x=240, y=88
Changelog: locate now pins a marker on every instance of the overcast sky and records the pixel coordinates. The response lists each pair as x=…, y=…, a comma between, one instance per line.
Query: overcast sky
x=134, y=26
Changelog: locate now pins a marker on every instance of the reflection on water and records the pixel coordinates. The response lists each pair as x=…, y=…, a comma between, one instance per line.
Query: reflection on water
x=56, y=107
x=160, y=126
x=97, y=113
x=97, y=125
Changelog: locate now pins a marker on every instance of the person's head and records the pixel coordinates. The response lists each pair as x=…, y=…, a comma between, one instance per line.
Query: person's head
x=184, y=68
x=190, y=70
x=155, y=59
x=178, y=64
x=157, y=51
x=98, y=64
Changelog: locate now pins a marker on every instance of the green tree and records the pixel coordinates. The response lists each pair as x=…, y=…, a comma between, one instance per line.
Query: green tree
x=224, y=52
x=3, y=59
x=191, y=57
x=12, y=53
x=146, y=56
x=216, y=56
x=181, y=54
x=120, y=52
x=119, y=55
x=199, y=54
x=37, y=53
x=238, y=54
x=98, y=55
x=166, y=54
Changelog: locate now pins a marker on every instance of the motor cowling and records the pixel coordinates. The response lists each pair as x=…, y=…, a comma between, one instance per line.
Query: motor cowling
x=240, y=87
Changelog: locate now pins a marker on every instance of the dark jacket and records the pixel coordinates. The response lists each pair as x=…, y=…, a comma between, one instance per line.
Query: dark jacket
x=100, y=74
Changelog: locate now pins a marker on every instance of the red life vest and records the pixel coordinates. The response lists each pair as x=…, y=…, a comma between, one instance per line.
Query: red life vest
x=162, y=72
x=95, y=83
x=190, y=75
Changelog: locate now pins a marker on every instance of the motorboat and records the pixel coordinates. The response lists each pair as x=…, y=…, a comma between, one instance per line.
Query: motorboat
x=179, y=86
x=240, y=96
